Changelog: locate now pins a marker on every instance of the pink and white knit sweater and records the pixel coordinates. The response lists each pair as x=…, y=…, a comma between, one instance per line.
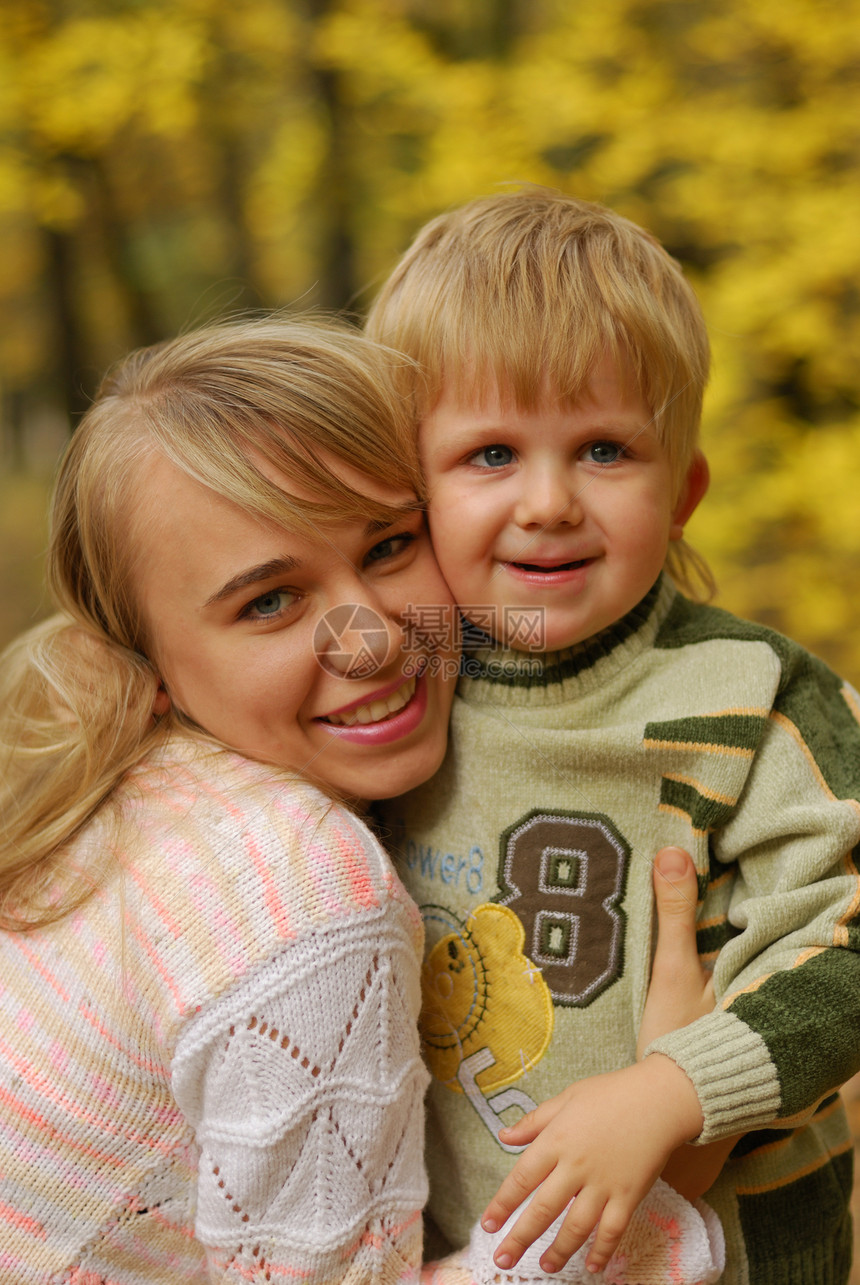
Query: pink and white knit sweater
x=211, y=1071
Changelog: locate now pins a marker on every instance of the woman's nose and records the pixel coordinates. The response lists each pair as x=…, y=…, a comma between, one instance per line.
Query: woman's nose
x=356, y=639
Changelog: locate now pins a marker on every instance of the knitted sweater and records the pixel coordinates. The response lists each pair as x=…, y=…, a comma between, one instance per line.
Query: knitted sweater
x=530, y=855
x=210, y=1071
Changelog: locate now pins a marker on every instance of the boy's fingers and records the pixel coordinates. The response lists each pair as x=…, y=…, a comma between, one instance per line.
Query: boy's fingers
x=534, y=1122
x=532, y=1223
x=574, y=1232
x=675, y=891
x=609, y=1233
x=520, y=1183
x=522, y=1130
x=676, y=994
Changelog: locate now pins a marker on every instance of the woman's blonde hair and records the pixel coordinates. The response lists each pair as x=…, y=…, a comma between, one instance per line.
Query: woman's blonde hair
x=77, y=692
x=527, y=291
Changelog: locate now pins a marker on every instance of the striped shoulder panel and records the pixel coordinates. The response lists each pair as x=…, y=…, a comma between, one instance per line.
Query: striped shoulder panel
x=811, y=697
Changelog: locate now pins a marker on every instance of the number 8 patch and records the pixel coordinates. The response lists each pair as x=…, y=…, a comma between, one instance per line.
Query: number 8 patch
x=564, y=875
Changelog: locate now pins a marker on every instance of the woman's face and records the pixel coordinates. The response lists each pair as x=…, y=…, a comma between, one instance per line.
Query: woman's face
x=236, y=610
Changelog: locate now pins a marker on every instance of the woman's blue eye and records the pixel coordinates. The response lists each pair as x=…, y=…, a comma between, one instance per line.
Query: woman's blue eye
x=271, y=603
x=493, y=456
x=390, y=547
x=605, y=452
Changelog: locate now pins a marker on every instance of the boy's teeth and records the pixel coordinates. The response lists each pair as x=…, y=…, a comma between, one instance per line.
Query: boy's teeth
x=556, y=566
x=375, y=711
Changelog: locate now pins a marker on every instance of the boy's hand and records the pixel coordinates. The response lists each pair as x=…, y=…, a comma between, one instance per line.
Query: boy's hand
x=604, y=1140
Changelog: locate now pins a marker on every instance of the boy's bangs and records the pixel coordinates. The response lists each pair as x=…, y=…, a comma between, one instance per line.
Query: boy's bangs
x=530, y=363
x=552, y=353
x=523, y=368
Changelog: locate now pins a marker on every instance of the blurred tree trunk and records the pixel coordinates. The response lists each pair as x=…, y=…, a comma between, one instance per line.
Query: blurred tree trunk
x=112, y=230
x=336, y=195
x=101, y=243
x=71, y=350
x=231, y=187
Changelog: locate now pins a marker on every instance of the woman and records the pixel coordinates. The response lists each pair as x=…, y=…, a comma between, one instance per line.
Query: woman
x=208, y=1054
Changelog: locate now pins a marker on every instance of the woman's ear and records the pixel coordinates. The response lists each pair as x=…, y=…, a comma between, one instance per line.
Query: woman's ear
x=161, y=704
x=692, y=491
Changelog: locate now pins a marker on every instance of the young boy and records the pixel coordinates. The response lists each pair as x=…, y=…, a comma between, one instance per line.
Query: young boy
x=604, y=715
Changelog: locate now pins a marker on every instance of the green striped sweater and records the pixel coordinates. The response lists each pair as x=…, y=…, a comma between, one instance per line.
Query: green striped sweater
x=530, y=856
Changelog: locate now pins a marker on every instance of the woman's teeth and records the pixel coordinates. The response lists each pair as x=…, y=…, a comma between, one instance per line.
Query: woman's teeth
x=376, y=710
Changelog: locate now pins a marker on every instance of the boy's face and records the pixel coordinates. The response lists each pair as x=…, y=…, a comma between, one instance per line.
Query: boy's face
x=557, y=515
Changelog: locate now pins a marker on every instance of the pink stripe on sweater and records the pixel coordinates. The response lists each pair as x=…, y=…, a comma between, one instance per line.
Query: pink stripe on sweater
x=37, y=1121
x=274, y=905
x=16, y=939
x=147, y=1064
x=74, y=1110
x=21, y=1221
x=206, y=898
x=160, y=966
x=155, y=901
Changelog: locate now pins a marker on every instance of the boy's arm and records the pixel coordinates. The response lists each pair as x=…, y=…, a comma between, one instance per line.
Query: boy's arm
x=679, y=992
x=786, y=1030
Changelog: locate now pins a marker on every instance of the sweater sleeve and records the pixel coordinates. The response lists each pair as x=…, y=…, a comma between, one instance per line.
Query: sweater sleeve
x=784, y=895
x=304, y=1087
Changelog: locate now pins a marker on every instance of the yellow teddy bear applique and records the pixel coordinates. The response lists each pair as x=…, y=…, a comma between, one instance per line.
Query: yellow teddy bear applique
x=480, y=991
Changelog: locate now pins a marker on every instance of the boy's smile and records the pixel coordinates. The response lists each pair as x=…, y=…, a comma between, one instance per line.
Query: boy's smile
x=568, y=509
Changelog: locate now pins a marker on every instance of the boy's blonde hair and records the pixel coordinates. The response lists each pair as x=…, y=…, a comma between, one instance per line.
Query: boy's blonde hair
x=77, y=692
x=528, y=290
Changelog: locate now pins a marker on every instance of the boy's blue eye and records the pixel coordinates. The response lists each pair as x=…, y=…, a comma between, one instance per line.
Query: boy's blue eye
x=493, y=456
x=605, y=452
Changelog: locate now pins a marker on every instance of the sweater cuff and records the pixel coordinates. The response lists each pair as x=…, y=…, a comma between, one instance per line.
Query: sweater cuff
x=731, y=1070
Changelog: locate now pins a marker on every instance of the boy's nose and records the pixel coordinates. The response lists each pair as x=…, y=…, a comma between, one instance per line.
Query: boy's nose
x=547, y=498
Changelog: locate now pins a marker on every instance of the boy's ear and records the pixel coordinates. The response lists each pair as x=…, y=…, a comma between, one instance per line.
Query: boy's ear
x=692, y=491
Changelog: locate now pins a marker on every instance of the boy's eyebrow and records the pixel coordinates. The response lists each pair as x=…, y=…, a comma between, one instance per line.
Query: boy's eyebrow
x=254, y=575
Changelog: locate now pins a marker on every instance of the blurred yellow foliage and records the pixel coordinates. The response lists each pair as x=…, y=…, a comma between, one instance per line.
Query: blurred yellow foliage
x=164, y=161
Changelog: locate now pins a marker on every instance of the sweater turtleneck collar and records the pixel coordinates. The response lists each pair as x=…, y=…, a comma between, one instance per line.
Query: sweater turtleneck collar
x=494, y=673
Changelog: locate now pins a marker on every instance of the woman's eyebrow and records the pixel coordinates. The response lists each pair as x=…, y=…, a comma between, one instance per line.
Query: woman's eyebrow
x=253, y=576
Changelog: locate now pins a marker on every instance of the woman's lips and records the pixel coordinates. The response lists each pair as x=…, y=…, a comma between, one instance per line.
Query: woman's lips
x=381, y=720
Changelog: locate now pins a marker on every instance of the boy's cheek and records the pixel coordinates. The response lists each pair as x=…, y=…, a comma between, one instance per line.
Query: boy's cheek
x=453, y=557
